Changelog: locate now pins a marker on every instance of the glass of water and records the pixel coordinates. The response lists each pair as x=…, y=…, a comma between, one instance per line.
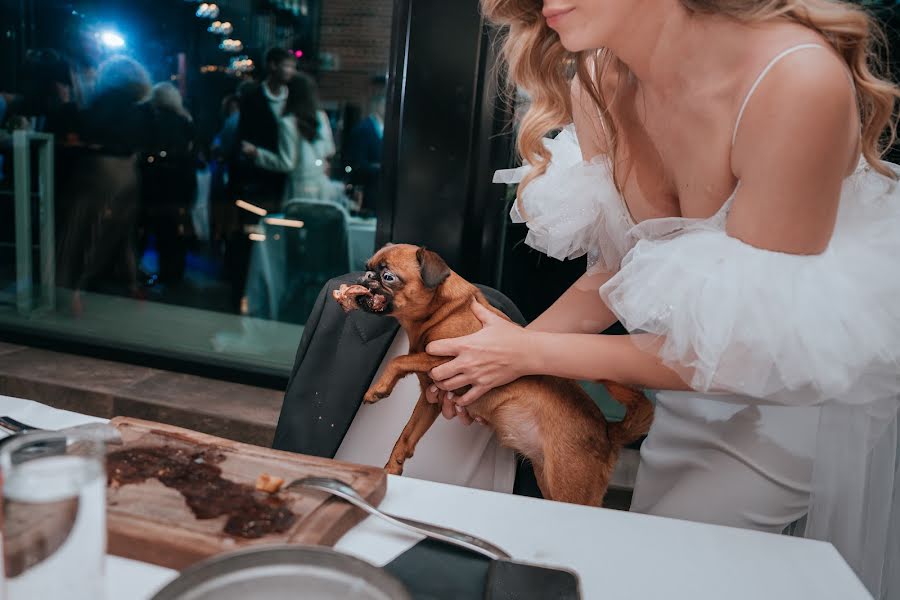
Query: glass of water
x=54, y=516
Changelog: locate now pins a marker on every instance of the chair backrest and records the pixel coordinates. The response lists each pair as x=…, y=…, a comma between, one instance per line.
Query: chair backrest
x=315, y=253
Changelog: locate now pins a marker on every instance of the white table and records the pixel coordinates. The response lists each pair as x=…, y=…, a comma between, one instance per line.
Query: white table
x=617, y=555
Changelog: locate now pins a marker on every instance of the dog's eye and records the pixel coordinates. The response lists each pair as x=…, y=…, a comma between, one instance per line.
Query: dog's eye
x=388, y=277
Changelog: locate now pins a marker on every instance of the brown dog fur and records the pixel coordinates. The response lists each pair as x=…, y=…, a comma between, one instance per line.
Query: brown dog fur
x=550, y=420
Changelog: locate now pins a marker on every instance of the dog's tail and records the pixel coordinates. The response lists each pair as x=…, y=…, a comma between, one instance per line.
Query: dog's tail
x=638, y=415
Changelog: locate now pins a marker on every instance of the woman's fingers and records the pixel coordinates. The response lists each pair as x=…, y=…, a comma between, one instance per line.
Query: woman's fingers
x=448, y=408
x=447, y=370
x=454, y=383
x=484, y=314
x=464, y=415
x=445, y=347
x=433, y=395
x=471, y=396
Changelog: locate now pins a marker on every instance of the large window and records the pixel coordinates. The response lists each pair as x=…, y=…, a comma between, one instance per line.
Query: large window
x=164, y=188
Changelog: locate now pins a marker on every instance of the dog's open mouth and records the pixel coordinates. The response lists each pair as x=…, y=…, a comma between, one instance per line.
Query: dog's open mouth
x=376, y=302
x=351, y=297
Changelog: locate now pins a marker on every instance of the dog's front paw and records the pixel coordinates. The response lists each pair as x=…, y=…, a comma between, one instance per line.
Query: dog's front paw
x=394, y=467
x=375, y=394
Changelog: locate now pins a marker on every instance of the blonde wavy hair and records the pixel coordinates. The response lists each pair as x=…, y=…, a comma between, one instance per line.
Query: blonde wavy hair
x=537, y=62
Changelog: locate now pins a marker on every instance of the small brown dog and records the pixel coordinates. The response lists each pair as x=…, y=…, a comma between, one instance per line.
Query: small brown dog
x=550, y=420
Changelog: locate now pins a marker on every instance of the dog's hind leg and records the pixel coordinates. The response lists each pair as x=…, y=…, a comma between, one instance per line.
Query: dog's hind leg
x=422, y=418
x=538, y=468
x=579, y=480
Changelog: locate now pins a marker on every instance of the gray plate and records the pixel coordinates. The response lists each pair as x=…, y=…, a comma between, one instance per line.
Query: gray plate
x=284, y=573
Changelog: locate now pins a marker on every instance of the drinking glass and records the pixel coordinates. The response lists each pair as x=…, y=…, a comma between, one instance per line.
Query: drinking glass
x=54, y=516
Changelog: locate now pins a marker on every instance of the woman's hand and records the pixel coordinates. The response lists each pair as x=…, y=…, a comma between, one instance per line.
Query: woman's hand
x=499, y=353
x=249, y=149
x=449, y=408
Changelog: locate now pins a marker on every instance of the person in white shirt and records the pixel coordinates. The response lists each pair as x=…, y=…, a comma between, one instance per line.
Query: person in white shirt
x=302, y=145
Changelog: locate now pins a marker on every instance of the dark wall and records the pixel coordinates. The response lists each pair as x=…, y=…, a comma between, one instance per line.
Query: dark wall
x=440, y=149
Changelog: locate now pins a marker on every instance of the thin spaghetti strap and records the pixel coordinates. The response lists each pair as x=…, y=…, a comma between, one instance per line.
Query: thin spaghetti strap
x=759, y=79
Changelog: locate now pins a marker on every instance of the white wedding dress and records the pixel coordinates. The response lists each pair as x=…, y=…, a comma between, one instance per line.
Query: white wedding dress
x=795, y=359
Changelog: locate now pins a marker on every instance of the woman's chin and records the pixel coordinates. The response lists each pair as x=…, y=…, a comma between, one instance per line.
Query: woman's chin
x=572, y=44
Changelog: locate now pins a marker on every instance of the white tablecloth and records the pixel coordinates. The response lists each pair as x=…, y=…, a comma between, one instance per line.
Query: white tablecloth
x=617, y=555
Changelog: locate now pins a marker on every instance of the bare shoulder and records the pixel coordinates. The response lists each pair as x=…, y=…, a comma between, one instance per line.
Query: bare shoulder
x=797, y=141
x=809, y=73
x=806, y=97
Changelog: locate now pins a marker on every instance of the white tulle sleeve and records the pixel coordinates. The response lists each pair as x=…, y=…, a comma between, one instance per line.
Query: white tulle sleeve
x=573, y=209
x=794, y=329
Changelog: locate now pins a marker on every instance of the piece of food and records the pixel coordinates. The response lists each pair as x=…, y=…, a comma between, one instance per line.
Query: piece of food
x=346, y=296
x=267, y=483
x=378, y=302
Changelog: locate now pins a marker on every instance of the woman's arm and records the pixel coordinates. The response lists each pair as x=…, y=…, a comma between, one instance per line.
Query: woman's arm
x=627, y=359
x=285, y=160
x=324, y=143
x=502, y=352
x=579, y=309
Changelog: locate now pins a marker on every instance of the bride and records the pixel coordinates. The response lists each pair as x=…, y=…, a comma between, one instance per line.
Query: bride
x=720, y=165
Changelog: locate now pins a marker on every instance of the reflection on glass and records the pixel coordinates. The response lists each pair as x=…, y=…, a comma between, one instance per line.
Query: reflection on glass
x=203, y=192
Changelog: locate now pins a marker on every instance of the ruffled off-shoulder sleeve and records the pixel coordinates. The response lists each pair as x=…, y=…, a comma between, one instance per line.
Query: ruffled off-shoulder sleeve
x=573, y=209
x=793, y=329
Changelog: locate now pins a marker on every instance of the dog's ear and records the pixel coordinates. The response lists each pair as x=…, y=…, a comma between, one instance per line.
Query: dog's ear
x=432, y=268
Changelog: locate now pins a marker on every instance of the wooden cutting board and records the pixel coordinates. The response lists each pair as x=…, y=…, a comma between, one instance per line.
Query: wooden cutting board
x=152, y=523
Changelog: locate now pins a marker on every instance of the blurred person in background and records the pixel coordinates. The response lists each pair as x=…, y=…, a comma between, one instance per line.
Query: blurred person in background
x=260, y=109
x=169, y=181
x=102, y=197
x=225, y=142
x=225, y=151
x=300, y=144
x=46, y=105
x=47, y=93
x=83, y=54
x=222, y=153
x=323, y=145
x=364, y=151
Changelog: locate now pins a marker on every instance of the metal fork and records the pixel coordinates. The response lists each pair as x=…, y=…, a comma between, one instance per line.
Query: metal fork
x=340, y=489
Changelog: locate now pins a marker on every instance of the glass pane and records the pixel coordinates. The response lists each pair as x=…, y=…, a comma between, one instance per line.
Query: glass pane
x=184, y=177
